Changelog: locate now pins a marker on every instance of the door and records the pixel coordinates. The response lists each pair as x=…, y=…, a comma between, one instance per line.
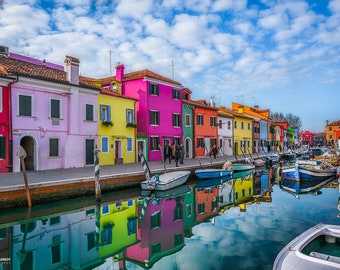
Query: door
x=118, y=149
x=89, y=151
x=141, y=147
x=27, y=143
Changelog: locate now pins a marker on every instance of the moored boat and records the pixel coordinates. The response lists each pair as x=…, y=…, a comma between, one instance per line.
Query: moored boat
x=166, y=181
x=212, y=173
x=240, y=167
x=316, y=248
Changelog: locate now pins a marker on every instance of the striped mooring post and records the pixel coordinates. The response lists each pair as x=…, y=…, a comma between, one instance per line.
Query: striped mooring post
x=97, y=175
x=145, y=165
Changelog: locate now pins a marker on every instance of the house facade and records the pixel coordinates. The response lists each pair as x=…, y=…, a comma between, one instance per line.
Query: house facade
x=188, y=123
x=116, y=128
x=53, y=113
x=225, y=131
x=159, y=108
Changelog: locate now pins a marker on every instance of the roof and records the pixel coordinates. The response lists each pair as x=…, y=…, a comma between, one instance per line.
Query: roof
x=15, y=67
x=108, y=92
x=334, y=123
x=141, y=74
x=199, y=103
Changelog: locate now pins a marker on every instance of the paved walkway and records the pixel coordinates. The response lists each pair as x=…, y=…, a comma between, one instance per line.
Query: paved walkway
x=13, y=181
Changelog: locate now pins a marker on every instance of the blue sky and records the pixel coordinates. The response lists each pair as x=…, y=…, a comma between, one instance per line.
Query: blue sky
x=283, y=55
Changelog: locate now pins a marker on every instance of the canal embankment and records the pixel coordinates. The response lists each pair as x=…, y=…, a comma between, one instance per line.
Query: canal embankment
x=53, y=185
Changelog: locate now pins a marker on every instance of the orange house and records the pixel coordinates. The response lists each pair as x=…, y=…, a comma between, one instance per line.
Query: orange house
x=205, y=127
x=206, y=203
x=330, y=130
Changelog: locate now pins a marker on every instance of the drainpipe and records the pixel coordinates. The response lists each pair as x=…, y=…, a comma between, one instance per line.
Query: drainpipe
x=10, y=140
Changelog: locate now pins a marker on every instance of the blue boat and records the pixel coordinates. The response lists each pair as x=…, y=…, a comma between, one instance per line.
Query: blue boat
x=212, y=173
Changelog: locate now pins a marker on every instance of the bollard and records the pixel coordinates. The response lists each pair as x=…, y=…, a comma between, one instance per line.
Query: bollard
x=97, y=175
x=21, y=154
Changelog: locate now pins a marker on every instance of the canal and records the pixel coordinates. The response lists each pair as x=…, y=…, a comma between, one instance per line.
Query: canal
x=239, y=223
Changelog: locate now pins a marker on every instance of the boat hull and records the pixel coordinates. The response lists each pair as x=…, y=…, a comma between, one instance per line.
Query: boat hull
x=311, y=173
x=167, y=181
x=211, y=173
x=299, y=255
x=242, y=167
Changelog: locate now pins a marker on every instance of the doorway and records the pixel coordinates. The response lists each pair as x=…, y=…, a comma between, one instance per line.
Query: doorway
x=89, y=151
x=27, y=143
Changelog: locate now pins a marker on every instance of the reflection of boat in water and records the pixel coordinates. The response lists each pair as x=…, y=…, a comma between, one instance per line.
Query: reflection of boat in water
x=316, y=248
x=298, y=186
x=243, y=174
x=212, y=173
x=241, y=167
x=174, y=192
x=212, y=182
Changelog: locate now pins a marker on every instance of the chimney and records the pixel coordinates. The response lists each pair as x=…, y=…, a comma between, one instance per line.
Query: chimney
x=3, y=51
x=72, y=69
x=119, y=72
x=256, y=107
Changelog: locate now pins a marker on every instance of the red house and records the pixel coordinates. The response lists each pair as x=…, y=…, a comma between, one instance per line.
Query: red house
x=5, y=122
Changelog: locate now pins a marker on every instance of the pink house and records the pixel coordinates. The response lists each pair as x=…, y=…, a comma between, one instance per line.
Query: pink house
x=53, y=113
x=159, y=108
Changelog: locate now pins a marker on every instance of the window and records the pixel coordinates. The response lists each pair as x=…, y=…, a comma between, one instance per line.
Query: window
x=154, y=118
x=25, y=105
x=56, y=249
x=91, y=241
x=154, y=143
x=176, y=141
x=2, y=147
x=54, y=147
x=178, y=212
x=176, y=120
x=89, y=112
x=220, y=123
x=132, y=226
x=199, y=119
x=105, y=209
x=214, y=204
x=156, y=220
x=175, y=94
x=105, y=144
x=178, y=239
x=130, y=116
x=185, y=96
x=212, y=121
x=187, y=120
x=129, y=144
x=55, y=220
x=201, y=208
x=189, y=210
x=229, y=124
x=156, y=248
x=154, y=89
x=235, y=124
x=200, y=143
x=55, y=108
x=248, y=126
x=242, y=125
x=105, y=113
x=107, y=235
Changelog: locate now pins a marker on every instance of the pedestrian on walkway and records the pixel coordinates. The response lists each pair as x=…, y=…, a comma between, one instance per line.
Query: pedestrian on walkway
x=214, y=151
x=177, y=155
x=173, y=150
x=167, y=153
x=181, y=153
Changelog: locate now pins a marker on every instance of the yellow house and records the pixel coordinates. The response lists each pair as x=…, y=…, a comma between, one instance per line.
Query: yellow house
x=243, y=132
x=243, y=191
x=116, y=128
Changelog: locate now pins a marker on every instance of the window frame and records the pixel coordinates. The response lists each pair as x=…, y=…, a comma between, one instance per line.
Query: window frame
x=103, y=143
x=50, y=146
x=154, y=116
x=176, y=120
x=176, y=94
x=154, y=89
x=86, y=112
x=200, y=120
x=52, y=108
x=31, y=105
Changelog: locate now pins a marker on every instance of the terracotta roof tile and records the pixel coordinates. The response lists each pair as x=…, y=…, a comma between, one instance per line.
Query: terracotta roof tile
x=9, y=66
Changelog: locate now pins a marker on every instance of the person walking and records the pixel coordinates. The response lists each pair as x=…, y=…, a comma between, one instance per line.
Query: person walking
x=167, y=153
x=173, y=151
x=181, y=154
x=214, y=151
x=177, y=155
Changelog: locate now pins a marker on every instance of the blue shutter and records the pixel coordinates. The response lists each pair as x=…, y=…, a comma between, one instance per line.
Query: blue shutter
x=101, y=113
x=108, y=113
x=105, y=145
x=129, y=144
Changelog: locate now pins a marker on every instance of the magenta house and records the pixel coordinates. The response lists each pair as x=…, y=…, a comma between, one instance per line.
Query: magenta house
x=159, y=108
x=53, y=113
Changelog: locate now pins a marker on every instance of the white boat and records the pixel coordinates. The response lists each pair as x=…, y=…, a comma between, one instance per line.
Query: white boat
x=314, y=249
x=166, y=181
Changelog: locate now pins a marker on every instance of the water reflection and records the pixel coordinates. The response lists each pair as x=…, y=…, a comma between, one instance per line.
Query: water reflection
x=138, y=231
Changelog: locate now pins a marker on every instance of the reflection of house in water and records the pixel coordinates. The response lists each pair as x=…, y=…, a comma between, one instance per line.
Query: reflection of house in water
x=118, y=227
x=226, y=195
x=243, y=191
x=5, y=248
x=189, y=212
x=261, y=182
x=49, y=243
x=160, y=230
x=206, y=200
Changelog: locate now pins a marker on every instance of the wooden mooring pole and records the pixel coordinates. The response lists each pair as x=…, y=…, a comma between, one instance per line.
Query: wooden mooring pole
x=21, y=154
x=97, y=175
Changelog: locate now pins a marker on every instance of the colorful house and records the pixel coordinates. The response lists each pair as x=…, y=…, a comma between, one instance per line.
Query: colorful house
x=116, y=127
x=6, y=82
x=53, y=113
x=225, y=130
x=243, y=132
x=330, y=129
x=206, y=200
x=205, y=127
x=243, y=191
x=159, y=108
x=188, y=123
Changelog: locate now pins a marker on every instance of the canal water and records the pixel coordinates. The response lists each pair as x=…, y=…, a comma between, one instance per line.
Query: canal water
x=239, y=223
